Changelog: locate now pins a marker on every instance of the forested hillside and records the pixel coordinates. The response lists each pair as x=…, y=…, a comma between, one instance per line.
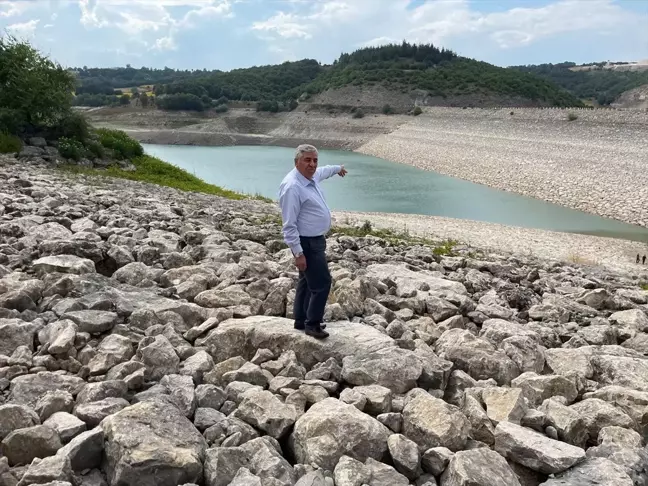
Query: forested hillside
x=403, y=67
x=601, y=85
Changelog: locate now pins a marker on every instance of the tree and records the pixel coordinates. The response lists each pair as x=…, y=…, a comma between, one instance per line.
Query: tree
x=35, y=92
x=124, y=100
x=144, y=100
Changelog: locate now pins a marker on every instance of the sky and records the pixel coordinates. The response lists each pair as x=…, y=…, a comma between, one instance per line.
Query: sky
x=229, y=34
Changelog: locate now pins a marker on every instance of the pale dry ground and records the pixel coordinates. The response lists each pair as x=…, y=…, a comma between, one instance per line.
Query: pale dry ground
x=613, y=254
x=597, y=163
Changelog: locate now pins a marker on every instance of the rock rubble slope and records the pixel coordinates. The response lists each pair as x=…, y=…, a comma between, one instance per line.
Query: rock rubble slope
x=145, y=339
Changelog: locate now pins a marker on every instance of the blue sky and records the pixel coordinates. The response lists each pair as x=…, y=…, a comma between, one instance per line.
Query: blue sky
x=227, y=34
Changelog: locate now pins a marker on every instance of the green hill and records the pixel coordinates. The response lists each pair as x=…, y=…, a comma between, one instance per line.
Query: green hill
x=438, y=71
x=400, y=67
x=601, y=85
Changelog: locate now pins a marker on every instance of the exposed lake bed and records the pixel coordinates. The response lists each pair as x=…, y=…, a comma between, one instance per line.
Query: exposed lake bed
x=377, y=185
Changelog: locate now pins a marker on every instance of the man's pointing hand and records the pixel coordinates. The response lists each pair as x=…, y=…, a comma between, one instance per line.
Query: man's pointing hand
x=342, y=172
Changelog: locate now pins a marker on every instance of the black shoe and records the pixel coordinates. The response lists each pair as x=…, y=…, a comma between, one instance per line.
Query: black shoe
x=300, y=326
x=317, y=333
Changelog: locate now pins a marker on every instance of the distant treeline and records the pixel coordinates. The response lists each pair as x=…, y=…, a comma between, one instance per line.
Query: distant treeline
x=602, y=85
x=279, y=87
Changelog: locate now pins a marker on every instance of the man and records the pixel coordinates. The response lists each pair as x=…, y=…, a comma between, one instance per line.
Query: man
x=306, y=220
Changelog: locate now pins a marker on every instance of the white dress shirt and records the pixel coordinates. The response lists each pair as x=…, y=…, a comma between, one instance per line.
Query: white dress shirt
x=303, y=207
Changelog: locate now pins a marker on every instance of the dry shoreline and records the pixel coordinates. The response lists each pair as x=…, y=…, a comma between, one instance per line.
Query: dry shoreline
x=609, y=253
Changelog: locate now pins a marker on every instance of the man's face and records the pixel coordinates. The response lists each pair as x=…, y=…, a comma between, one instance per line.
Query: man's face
x=307, y=164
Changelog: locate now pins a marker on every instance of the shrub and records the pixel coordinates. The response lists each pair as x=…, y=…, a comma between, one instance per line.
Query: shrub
x=71, y=148
x=417, y=111
x=95, y=150
x=120, y=143
x=358, y=113
x=72, y=125
x=572, y=117
x=271, y=106
x=387, y=110
x=36, y=92
x=180, y=101
x=221, y=108
x=9, y=144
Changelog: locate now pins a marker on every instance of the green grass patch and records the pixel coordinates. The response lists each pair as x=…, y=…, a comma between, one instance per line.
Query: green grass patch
x=156, y=171
x=644, y=286
x=9, y=144
x=444, y=248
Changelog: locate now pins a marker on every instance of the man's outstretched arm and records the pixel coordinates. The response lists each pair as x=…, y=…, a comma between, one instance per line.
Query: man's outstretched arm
x=329, y=171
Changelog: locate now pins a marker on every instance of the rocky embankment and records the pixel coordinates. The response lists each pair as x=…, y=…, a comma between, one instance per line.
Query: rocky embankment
x=145, y=339
x=247, y=127
x=595, y=163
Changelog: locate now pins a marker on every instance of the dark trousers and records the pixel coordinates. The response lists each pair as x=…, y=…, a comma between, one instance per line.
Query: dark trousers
x=314, y=283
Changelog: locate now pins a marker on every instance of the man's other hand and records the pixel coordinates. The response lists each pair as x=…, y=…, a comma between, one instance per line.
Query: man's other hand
x=342, y=172
x=300, y=262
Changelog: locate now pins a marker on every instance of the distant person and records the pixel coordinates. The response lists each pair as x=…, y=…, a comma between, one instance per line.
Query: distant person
x=637, y=257
x=643, y=260
x=306, y=220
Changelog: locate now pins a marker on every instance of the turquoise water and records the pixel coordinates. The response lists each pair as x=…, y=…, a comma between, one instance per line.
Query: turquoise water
x=375, y=184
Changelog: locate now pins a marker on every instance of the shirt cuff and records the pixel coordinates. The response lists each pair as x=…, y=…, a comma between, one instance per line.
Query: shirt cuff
x=296, y=249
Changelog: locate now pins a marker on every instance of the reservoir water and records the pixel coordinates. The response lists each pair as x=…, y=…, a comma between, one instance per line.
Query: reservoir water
x=375, y=184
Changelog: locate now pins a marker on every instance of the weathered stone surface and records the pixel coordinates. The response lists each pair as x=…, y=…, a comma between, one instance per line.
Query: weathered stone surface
x=408, y=281
x=148, y=437
x=63, y=264
x=504, y=404
x=351, y=472
x=13, y=417
x=92, y=321
x=405, y=454
x=85, y=450
x=265, y=411
x=28, y=389
x=478, y=467
x=538, y=388
x=222, y=465
x=158, y=356
x=534, y=450
x=394, y=368
x=242, y=337
x=67, y=425
x=331, y=429
x=430, y=422
x=23, y=445
x=593, y=472
x=597, y=414
x=15, y=333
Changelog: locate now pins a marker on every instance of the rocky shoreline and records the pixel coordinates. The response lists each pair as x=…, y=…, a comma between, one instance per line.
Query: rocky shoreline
x=146, y=339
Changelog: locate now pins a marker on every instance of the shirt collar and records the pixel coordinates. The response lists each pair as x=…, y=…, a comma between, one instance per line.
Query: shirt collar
x=302, y=180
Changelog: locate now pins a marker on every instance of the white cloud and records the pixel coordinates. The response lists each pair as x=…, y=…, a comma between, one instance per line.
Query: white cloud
x=12, y=9
x=165, y=44
x=373, y=22
x=285, y=25
x=25, y=29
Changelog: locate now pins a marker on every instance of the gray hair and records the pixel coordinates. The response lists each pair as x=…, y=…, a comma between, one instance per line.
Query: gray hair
x=303, y=149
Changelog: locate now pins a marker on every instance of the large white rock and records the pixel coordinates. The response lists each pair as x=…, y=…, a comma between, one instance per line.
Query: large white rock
x=243, y=337
x=331, y=429
x=408, y=281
